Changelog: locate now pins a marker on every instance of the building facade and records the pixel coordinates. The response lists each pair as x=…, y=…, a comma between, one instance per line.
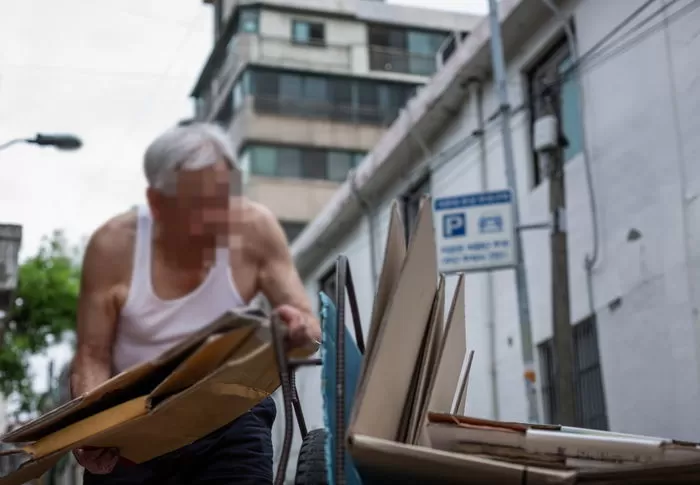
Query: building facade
x=306, y=88
x=627, y=79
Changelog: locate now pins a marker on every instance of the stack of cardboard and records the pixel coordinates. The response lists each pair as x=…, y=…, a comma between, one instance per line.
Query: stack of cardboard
x=402, y=428
x=195, y=388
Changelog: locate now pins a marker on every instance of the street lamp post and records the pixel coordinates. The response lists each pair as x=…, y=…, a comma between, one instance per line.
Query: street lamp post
x=59, y=141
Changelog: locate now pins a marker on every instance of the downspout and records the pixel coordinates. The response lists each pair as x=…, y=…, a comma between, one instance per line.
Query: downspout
x=367, y=210
x=480, y=134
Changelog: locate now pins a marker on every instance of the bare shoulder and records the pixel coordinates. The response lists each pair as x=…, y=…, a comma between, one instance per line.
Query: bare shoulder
x=111, y=245
x=259, y=227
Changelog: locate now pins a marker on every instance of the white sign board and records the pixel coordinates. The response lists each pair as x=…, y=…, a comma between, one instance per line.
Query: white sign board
x=475, y=232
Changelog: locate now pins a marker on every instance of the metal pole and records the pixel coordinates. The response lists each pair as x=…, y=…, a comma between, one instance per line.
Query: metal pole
x=499, y=70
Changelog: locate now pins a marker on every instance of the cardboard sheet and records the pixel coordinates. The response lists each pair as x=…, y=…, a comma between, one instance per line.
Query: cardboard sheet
x=386, y=383
x=390, y=441
x=195, y=388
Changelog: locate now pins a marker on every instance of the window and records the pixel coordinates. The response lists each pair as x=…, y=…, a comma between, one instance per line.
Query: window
x=340, y=97
x=248, y=20
x=290, y=94
x=305, y=163
x=328, y=97
x=200, y=107
x=327, y=284
x=263, y=161
x=590, y=397
x=368, y=101
x=404, y=50
x=451, y=46
x=310, y=33
x=241, y=89
x=223, y=117
x=292, y=229
x=410, y=202
x=289, y=163
x=314, y=164
x=555, y=71
x=422, y=47
x=338, y=165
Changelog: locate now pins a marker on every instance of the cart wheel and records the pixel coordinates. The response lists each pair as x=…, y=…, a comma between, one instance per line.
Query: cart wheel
x=311, y=467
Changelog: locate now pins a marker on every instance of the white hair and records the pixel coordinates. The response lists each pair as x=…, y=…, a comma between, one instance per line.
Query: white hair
x=186, y=147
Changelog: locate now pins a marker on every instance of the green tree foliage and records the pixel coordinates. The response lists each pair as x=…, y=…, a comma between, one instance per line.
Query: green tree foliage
x=44, y=314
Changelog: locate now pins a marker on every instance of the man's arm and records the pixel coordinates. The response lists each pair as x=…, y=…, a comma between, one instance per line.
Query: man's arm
x=279, y=280
x=97, y=315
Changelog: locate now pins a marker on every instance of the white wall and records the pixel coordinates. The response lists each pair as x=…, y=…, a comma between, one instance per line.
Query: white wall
x=346, y=40
x=346, y=49
x=642, y=118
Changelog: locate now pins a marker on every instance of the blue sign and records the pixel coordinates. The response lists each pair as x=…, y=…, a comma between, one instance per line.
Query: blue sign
x=488, y=244
x=454, y=225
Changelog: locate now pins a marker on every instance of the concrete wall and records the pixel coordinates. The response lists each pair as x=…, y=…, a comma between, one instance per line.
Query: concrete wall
x=372, y=11
x=642, y=119
x=291, y=199
x=250, y=125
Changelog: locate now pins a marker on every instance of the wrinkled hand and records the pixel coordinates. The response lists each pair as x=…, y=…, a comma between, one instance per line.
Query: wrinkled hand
x=300, y=330
x=98, y=461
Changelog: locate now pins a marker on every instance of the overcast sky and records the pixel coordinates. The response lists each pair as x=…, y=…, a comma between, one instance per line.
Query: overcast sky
x=114, y=72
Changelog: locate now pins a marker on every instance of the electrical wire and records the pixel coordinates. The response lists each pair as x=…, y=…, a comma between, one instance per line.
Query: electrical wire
x=613, y=50
x=598, y=54
x=658, y=26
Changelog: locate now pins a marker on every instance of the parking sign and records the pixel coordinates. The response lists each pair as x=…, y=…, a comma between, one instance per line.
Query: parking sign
x=454, y=225
x=476, y=232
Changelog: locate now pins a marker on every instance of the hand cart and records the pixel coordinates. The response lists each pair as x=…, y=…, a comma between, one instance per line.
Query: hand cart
x=313, y=467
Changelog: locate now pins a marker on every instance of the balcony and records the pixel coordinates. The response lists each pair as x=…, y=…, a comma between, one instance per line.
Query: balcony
x=312, y=124
x=388, y=59
x=275, y=52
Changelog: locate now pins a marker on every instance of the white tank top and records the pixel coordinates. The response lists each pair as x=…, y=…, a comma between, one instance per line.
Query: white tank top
x=148, y=326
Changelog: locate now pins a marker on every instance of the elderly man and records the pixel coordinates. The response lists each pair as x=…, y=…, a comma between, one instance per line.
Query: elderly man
x=154, y=275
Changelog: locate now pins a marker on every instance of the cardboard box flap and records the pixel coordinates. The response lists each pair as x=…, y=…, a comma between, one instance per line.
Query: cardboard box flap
x=377, y=458
x=387, y=379
x=132, y=383
x=201, y=409
x=651, y=474
x=441, y=386
x=30, y=470
x=205, y=360
x=425, y=365
x=394, y=258
x=573, y=447
x=66, y=438
x=452, y=354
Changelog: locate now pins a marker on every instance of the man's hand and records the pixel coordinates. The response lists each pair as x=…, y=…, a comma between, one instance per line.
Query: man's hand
x=300, y=329
x=98, y=461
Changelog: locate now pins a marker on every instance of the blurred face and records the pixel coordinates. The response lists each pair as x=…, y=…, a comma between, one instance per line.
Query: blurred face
x=199, y=209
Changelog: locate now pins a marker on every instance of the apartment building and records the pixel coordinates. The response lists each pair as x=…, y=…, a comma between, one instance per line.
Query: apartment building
x=307, y=87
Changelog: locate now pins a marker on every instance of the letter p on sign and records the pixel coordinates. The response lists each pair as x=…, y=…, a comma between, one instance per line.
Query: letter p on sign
x=454, y=225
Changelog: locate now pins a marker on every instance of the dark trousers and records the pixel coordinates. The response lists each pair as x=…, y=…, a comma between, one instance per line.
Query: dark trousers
x=239, y=453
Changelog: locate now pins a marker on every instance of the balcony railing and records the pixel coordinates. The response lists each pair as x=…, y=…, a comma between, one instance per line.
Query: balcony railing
x=276, y=51
x=398, y=60
x=320, y=109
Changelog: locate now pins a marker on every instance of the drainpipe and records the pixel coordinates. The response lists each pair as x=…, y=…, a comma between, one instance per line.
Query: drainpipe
x=477, y=92
x=367, y=210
